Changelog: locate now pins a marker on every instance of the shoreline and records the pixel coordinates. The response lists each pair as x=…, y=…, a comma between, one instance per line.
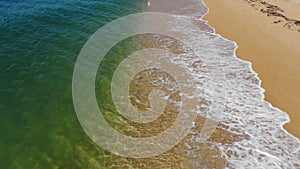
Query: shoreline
x=264, y=45
x=226, y=144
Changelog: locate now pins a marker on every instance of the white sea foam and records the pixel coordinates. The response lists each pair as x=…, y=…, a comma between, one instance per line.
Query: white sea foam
x=268, y=144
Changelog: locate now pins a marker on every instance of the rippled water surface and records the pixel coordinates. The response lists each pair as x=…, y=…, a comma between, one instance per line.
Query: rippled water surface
x=40, y=41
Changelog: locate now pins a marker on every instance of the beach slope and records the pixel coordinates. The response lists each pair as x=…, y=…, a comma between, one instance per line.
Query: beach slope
x=268, y=35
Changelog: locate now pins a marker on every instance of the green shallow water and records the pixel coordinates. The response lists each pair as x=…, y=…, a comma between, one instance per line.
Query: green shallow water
x=40, y=42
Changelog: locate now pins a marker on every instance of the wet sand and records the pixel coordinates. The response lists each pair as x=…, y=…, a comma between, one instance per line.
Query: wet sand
x=204, y=155
x=268, y=35
x=189, y=153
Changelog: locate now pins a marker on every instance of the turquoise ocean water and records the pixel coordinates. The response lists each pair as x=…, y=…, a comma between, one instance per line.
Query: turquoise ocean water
x=40, y=41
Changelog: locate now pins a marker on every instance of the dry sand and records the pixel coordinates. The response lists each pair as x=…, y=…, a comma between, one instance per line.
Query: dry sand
x=256, y=38
x=273, y=48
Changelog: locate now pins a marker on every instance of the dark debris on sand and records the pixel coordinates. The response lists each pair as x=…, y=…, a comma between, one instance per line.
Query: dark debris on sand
x=276, y=12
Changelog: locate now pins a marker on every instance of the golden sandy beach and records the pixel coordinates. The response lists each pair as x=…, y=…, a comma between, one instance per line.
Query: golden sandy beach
x=273, y=57
x=268, y=35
